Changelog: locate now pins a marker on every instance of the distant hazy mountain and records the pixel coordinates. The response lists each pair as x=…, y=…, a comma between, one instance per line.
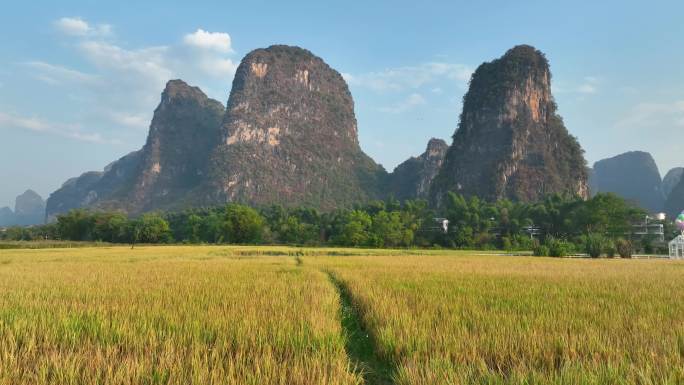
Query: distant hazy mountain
x=634, y=176
x=29, y=209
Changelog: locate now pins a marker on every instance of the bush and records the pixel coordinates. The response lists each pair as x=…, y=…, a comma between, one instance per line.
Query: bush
x=506, y=244
x=609, y=248
x=594, y=244
x=624, y=248
x=541, y=251
x=559, y=247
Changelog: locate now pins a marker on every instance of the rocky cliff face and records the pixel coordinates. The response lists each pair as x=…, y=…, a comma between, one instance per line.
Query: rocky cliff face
x=412, y=178
x=634, y=176
x=511, y=143
x=173, y=162
x=671, y=180
x=290, y=136
x=175, y=158
x=29, y=209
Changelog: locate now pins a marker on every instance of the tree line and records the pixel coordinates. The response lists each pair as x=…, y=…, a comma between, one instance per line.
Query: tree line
x=557, y=225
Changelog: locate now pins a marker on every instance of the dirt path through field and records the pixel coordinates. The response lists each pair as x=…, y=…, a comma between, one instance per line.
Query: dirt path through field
x=360, y=345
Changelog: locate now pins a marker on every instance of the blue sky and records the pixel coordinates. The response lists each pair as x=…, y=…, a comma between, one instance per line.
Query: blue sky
x=79, y=79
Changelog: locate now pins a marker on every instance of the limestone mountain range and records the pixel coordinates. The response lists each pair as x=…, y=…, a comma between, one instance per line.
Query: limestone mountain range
x=288, y=135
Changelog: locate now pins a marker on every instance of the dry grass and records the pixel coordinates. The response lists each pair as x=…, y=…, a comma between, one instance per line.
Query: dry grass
x=166, y=315
x=270, y=315
x=521, y=320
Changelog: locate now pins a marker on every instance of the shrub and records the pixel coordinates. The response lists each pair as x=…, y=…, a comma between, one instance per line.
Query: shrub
x=559, y=247
x=541, y=251
x=506, y=244
x=624, y=248
x=609, y=248
x=594, y=244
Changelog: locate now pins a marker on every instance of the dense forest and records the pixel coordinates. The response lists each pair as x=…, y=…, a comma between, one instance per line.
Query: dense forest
x=558, y=225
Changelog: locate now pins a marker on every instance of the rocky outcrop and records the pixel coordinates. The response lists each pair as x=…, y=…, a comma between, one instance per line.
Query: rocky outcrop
x=671, y=180
x=634, y=176
x=412, y=178
x=511, y=143
x=173, y=162
x=29, y=209
x=290, y=136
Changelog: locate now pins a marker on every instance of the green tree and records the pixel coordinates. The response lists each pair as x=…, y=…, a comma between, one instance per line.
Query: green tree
x=212, y=228
x=355, y=229
x=193, y=228
x=389, y=229
x=76, y=225
x=243, y=224
x=110, y=227
x=151, y=228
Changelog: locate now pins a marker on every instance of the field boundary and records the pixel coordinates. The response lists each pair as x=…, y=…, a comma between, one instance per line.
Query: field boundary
x=359, y=343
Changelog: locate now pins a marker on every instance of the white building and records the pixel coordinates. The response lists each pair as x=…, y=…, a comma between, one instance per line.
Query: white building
x=677, y=247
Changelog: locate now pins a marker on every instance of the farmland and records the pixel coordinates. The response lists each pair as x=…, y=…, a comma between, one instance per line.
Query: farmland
x=278, y=315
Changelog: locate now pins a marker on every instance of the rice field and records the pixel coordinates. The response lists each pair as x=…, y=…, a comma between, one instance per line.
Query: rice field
x=278, y=315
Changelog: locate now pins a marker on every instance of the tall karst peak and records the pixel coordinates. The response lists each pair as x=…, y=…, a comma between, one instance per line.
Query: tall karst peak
x=290, y=135
x=510, y=142
x=184, y=129
x=173, y=161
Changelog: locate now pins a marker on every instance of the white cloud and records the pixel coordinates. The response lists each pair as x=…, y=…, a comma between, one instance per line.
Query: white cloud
x=411, y=77
x=586, y=89
x=407, y=104
x=72, y=26
x=76, y=26
x=71, y=131
x=218, y=67
x=218, y=41
x=123, y=84
x=589, y=86
x=130, y=120
x=54, y=74
x=655, y=115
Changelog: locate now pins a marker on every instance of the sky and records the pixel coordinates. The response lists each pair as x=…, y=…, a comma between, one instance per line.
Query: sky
x=79, y=80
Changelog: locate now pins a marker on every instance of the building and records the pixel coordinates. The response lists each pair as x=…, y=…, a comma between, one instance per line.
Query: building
x=653, y=230
x=676, y=247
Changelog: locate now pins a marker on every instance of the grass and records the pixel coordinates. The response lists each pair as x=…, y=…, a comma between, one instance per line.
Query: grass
x=166, y=315
x=278, y=315
x=521, y=320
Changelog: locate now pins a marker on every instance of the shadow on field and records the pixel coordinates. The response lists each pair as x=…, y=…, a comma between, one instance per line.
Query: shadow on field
x=359, y=344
